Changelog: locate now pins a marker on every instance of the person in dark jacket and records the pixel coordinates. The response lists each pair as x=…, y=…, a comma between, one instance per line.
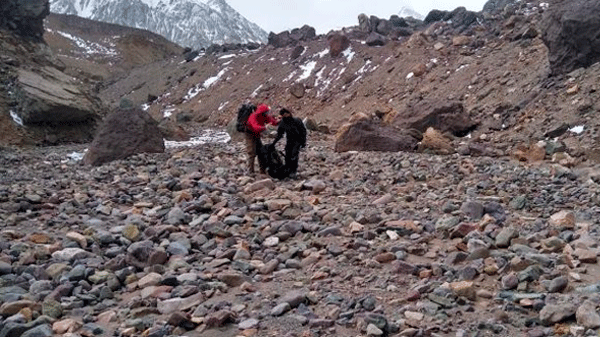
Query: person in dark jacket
x=255, y=125
x=295, y=133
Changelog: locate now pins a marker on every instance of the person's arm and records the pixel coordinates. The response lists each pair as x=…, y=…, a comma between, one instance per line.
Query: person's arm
x=280, y=132
x=302, y=130
x=272, y=121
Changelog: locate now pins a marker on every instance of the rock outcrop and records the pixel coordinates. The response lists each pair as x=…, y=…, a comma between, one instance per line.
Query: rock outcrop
x=49, y=96
x=368, y=135
x=46, y=105
x=290, y=38
x=570, y=31
x=441, y=115
x=25, y=18
x=125, y=132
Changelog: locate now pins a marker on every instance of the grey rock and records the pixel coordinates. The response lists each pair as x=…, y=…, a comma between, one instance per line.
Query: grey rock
x=280, y=309
x=587, y=315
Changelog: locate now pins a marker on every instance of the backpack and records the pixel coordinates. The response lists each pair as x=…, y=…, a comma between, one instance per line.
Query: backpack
x=242, y=116
x=271, y=160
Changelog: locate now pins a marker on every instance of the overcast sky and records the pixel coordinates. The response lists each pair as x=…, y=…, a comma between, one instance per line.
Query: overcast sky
x=325, y=15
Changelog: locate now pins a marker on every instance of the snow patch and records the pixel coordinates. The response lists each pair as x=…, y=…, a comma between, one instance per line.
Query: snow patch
x=290, y=76
x=410, y=75
x=223, y=105
x=577, y=129
x=76, y=156
x=255, y=92
x=214, y=79
x=349, y=54
x=323, y=53
x=207, y=136
x=168, y=112
x=307, y=68
x=365, y=67
x=90, y=48
x=16, y=118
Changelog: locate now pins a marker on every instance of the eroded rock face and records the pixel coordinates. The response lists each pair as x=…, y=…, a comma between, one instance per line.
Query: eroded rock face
x=26, y=18
x=123, y=133
x=50, y=96
x=368, y=135
x=570, y=31
x=444, y=116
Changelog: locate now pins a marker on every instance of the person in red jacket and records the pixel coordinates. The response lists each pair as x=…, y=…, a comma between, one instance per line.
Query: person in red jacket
x=254, y=127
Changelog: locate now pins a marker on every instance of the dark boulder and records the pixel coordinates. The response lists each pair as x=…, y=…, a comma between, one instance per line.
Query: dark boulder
x=191, y=55
x=124, y=132
x=570, y=31
x=337, y=44
x=286, y=38
x=435, y=15
x=296, y=52
x=495, y=7
x=305, y=33
x=445, y=116
x=369, y=135
x=375, y=39
x=462, y=18
x=374, y=22
x=399, y=32
x=25, y=18
x=280, y=40
x=397, y=21
x=384, y=27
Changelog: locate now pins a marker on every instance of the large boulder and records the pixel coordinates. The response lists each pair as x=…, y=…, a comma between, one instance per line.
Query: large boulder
x=364, y=24
x=369, y=135
x=496, y=6
x=337, y=44
x=25, y=18
x=124, y=132
x=280, y=40
x=375, y=39
x=49, y=96
x=445, y=116
x=286, y=38
x=570, y=31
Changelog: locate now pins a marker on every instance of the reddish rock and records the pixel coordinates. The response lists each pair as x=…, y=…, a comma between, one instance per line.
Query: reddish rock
x=123, y=133
x=337, y=44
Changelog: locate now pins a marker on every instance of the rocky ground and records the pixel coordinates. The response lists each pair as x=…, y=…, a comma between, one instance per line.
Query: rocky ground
x=362, y=244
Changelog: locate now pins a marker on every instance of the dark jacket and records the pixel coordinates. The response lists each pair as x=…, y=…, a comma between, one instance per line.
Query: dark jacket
x=294, y=130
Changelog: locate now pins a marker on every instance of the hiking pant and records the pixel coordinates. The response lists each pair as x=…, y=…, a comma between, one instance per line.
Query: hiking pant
x=253, y=146
x=292, y=154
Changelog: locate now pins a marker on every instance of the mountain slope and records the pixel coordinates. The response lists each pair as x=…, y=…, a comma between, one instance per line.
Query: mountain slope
x=190, y=23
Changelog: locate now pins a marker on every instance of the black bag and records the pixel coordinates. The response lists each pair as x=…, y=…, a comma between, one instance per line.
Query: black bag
x=272, y=162
x=242, y=117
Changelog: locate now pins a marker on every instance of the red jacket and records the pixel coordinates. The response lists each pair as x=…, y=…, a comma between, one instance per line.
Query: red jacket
x=258, y=119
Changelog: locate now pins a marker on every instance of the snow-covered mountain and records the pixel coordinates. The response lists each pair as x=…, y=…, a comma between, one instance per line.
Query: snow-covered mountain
x=189, y=23
x=407, y=11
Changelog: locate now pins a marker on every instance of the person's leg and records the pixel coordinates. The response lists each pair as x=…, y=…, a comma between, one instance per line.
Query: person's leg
x=250, y=151
x=292, y=154
x=261, y=155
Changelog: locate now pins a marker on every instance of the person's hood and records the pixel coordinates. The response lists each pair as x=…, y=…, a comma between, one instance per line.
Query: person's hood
x=262, y=108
